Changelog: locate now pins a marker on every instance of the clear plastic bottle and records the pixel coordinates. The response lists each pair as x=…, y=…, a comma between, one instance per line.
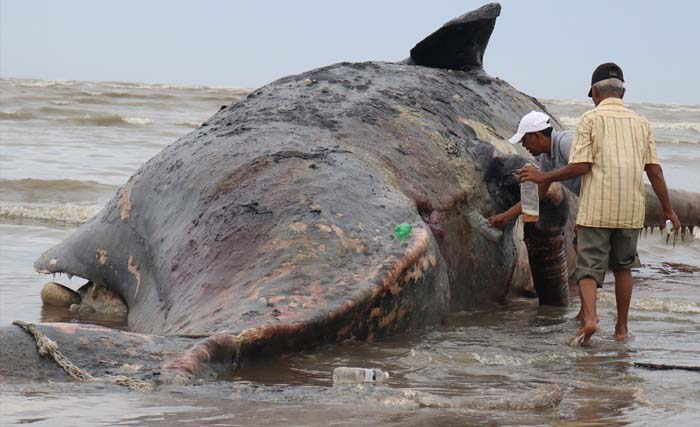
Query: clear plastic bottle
x=529, y=197
x=347, y=375
x=668, y=229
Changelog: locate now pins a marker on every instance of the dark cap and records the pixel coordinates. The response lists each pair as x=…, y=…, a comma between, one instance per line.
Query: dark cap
x=609, y=70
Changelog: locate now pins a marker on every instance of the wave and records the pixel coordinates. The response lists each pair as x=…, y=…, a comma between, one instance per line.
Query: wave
x=571, y=102
x=135, y=95
x=116, y=86
x=218, y=97
x=110, y=120
x=693, y=127
x=682, y=132
x=84, y=118
x=676, y=108
x=167, y=86
x=188, y=124
x=16, y=115
x=666, y=140
x=55, y=212
x=91, y=100
x=31, y=83
x=60, y=190
x=662, y=305
x=588, y=105
x=529, y=359
x=60, y=110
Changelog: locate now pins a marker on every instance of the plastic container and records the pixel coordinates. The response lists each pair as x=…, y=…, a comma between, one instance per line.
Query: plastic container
x=347, y=375
x=668, y=229
x=530, y=199
x=402, y=231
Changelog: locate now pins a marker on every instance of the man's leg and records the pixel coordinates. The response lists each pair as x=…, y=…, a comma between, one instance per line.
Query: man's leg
x=623, y=257
x=623, y=296
x=579, y=315
x=588, y=288
x=593, y=246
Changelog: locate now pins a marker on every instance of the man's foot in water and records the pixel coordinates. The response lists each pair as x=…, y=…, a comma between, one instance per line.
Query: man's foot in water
x=583, y=336
x=620, y=333
x=580, y=317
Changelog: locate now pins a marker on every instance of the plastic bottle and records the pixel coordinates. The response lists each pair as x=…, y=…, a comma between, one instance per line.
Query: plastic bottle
x=347, y=375
x=529, y=197
x=668, y=229
x=402, y=231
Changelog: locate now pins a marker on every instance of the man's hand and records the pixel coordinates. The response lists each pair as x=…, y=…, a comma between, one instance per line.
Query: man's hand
x=531, y=173
x=658, y=184
x=674, y=219
x=499, y=221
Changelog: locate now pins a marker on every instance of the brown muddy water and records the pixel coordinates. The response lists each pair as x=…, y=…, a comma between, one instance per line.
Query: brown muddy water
x=67, y=146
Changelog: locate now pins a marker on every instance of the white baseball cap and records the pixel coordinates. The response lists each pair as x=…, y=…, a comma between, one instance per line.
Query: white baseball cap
x=533, y=121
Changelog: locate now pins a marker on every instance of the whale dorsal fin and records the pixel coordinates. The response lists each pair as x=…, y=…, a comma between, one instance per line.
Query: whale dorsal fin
x=460, y=43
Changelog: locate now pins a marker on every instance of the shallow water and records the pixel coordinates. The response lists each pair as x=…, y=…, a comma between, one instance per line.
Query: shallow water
x=67, y=146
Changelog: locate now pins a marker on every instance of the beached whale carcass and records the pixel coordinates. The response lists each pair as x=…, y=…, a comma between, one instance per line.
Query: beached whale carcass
x=280, y=208
x=270, y=228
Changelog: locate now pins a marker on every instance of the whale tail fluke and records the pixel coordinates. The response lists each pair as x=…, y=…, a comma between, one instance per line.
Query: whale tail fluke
x=460, y=43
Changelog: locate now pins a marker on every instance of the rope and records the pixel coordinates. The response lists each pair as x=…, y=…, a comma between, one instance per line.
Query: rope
x=49, y=348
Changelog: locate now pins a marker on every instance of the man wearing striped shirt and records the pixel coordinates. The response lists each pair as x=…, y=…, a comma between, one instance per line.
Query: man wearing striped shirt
x=612, y=147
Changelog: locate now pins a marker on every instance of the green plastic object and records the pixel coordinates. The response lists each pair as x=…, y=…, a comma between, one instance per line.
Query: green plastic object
x=402, y=231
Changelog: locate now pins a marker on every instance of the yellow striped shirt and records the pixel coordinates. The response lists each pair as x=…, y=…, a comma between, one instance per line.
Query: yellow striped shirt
x=618, y=143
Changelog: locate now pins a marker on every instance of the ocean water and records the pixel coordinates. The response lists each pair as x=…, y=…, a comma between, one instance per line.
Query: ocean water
x=65, y=147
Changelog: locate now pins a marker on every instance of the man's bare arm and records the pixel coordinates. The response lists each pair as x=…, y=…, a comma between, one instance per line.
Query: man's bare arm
x=502, y=219
x=658, y=183
x=572, y=170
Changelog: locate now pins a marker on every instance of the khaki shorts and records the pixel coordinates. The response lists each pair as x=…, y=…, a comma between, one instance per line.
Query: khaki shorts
x=600, y=249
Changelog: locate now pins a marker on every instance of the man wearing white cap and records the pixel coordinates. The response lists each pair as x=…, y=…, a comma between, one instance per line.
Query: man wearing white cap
x=552, y=148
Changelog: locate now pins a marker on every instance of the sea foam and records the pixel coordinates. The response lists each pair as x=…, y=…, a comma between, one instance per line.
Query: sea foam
x=111, y=120
x=661, y=305
x=59, y=212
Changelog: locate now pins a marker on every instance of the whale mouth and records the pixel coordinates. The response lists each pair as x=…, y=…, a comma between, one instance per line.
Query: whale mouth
x=53, y=266
x=57, y=261
x=95, y=302
x=59, y=272
x=62, y=259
